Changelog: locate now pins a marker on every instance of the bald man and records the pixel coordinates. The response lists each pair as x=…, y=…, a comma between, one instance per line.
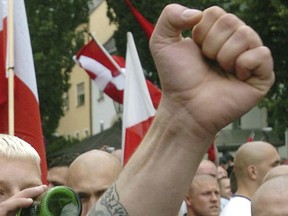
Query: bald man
x=207, y=167
x=203, y=198
x=252, y=161
x=91, y=174
x=271, y=197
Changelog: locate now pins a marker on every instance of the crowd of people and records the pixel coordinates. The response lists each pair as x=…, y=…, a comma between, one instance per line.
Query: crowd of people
x=167, y=175
x=92, y=173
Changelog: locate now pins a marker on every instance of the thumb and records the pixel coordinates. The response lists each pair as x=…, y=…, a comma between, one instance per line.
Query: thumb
x=173, y=19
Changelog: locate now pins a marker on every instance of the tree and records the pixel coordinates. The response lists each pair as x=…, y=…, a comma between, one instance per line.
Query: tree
x=54, y=38
x=267, y=17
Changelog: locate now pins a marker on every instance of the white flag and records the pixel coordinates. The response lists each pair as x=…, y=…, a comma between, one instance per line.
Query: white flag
x=138, y=110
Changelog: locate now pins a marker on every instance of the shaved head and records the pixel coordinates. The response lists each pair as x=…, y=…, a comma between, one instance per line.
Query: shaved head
x=207, y=167
x=256, y=154
x=91, y=174
x=273, y=195
x=96, y=160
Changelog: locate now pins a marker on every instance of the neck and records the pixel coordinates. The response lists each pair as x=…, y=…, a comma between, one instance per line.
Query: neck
x=246, y=191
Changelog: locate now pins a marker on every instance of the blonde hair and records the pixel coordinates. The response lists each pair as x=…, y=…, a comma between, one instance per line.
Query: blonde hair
x=16, y=148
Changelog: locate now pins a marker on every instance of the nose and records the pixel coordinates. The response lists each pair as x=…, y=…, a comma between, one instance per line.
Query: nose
x=214, y=197
x=88, y=205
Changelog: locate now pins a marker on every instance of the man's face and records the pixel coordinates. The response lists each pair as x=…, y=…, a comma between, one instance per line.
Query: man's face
x=90, y=186
x=205, y=198
x=225, y=188
x=17, y=175
x=57, y=176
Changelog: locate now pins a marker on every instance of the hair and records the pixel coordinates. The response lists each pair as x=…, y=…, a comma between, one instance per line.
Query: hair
x=12, y=147
x=62, y=160
x=228, y=157
x=233, y=182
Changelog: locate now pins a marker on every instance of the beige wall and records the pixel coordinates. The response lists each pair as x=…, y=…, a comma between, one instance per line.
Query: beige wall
x=76, y=118
x=99, y=24
x=79, y=119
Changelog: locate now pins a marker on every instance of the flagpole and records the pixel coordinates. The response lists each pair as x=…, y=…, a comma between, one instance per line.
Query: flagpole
x=107, y=54
x=10, y=69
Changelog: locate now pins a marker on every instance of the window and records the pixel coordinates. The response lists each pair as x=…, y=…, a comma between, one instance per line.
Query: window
x=80, y=94
x=66, y=101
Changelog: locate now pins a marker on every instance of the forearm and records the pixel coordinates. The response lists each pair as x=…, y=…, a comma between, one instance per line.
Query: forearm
x=158, y=175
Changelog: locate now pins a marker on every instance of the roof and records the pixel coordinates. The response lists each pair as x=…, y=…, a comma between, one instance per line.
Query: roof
x=227, y=140
x=110, y=137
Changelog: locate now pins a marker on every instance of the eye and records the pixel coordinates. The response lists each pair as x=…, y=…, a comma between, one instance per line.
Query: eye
x=83, y=197
x=2, y=195
x=55, y=183
x=100, y=193
x=206, y=193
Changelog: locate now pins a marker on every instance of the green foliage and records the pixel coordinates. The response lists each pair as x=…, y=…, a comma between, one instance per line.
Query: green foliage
x=52, y=25
x=268, y=17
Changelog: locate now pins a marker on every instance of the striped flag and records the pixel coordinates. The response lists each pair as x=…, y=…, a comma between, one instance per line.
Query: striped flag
x=108, y=72
x=101, y=70
x=26, y=105
x=138, y=110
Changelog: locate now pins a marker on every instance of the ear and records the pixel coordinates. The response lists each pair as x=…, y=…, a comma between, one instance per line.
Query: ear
x=252, y=172
x=188, y=199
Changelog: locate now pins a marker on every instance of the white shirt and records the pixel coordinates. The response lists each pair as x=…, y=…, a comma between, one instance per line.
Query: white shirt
x=237, y=206
x=224, y=202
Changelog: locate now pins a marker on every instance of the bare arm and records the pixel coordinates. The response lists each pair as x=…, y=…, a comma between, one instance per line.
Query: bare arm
x=199, y=98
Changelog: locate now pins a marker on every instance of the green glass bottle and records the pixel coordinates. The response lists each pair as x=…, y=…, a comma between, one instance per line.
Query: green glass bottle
x=57, y=201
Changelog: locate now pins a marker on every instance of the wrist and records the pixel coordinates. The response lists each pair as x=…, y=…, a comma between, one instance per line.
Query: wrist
x=175, y=121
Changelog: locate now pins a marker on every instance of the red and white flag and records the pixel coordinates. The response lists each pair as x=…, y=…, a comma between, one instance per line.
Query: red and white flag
x=108, y=72
x=101, y=70
x=26, y=105
x=138, y=110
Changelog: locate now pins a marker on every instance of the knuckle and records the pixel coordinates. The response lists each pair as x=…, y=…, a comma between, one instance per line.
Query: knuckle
x=230, y=21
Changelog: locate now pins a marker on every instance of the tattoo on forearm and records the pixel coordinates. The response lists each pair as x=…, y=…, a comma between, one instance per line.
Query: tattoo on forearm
x=108, y=205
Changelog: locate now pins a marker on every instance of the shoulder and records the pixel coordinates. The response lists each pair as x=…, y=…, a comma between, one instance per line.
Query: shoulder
x=237, y=206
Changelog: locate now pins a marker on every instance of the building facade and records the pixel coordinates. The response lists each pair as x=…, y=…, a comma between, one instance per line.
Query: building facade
x=88, y=111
